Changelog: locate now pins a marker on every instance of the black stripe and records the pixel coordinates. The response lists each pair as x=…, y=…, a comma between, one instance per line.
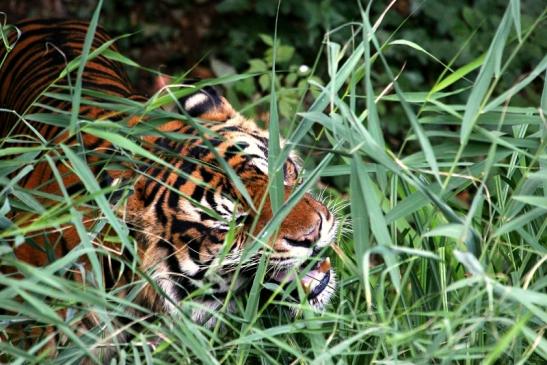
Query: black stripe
x=182, y=283
x=158, y=208
x=299, y=243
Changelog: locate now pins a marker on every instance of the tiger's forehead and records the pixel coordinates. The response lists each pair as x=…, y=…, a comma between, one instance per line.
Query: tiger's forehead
x=254, y=143
x=234, y=129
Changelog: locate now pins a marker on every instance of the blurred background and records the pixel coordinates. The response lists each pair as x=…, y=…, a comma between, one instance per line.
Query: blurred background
x=211, y=38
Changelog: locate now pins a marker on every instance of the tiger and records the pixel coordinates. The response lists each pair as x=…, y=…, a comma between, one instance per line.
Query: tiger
x=179, y=213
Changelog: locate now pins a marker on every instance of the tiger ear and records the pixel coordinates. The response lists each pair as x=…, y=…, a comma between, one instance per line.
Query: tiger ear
x=208, y=104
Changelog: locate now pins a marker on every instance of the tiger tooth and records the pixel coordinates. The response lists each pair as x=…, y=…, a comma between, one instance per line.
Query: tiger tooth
x=306, y=286
x=325, y=266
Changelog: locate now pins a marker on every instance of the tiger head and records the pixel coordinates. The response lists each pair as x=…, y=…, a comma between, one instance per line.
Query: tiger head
x=194, y=223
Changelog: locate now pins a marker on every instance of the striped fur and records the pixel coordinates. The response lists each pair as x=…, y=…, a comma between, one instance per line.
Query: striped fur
x=180, y=221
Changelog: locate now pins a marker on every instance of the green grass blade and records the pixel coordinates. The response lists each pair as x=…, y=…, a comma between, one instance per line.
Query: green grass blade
x=458, y=74
x=90, y=182
x=490, y=67
x=88, y=42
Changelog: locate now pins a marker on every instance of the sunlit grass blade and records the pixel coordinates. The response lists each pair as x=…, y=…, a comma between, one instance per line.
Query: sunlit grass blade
x=458, y=74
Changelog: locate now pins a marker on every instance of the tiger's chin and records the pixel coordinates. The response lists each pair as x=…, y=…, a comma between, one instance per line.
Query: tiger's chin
x=319, y=282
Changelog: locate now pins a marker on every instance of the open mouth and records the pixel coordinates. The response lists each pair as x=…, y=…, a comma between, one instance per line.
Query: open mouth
x=317, y=279
x=318, y=283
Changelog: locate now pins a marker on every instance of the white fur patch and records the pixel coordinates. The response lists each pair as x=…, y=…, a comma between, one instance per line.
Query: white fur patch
x=261, y=162
x=327, y=234
x=195, y=100
x=165, y=283
x=190, y=267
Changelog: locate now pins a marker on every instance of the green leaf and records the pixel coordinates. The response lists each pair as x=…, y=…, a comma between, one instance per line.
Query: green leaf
x=490, y=67
x=538, y=70
x=268, y=40
x=519, y=221
x=257, y=65
x=515, y=14
x=404, y=42
x=456, y=231
x=537, y=201
x=458, y=74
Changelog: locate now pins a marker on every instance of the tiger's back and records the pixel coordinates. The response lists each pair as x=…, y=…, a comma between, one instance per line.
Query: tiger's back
x=42, y=50
x=41, y=53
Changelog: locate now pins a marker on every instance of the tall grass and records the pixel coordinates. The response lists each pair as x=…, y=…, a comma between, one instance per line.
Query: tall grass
x=445, y=262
